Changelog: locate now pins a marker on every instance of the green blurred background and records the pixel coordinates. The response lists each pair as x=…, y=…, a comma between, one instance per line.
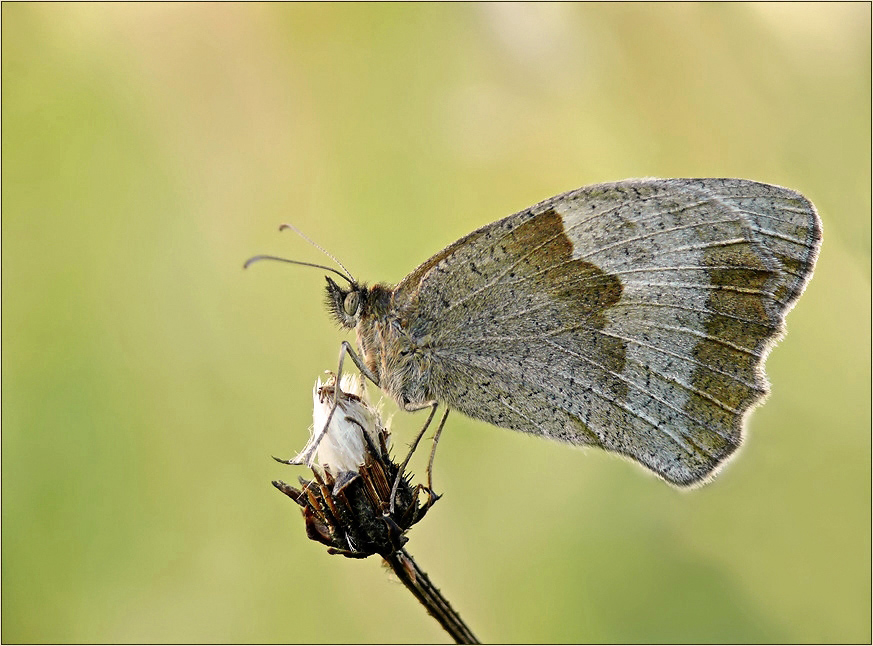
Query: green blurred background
x=149, y=149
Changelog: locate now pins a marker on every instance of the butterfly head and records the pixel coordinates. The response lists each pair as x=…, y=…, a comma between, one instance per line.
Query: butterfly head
x=346, y=305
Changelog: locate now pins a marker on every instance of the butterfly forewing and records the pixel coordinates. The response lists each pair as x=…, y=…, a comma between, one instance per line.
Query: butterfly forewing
x=634, y=316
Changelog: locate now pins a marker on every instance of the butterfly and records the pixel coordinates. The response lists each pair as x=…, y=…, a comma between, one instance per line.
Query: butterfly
x=632, y=316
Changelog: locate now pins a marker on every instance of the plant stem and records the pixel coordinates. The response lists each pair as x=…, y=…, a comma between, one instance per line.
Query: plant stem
x=415, y=579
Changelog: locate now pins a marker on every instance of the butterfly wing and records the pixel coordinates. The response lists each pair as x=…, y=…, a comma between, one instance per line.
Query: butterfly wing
x=634, y=316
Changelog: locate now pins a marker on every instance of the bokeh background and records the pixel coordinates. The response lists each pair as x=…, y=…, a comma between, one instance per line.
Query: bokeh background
x=149, y=149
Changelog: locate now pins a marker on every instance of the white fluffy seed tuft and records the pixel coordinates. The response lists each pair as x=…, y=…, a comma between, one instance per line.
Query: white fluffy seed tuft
x=343, y=448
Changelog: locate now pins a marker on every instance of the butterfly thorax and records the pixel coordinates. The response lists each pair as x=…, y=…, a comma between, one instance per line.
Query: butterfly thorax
x=389, y=351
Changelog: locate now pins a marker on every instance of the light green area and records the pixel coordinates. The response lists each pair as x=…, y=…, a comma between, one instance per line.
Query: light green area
x=148, y=150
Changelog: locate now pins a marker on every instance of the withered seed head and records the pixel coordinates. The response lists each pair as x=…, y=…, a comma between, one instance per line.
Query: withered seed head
x=347, y=505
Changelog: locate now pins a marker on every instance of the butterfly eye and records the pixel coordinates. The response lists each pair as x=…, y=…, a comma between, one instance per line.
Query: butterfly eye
x=350, y=304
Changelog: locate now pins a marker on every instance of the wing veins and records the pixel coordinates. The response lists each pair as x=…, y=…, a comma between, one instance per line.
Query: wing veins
x=649, y=216
x=699, y=310
x=726, y=288
x=624, y=379
x=593, y=278
x=497, y=278
x=645, y=392
x=652, y=234
x=702, y=335
x=570, y=328
x=709, y=245
x=610, y=400
x=780, y=236
x=688, y=387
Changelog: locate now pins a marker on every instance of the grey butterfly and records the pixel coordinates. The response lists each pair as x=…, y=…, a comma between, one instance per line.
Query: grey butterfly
x=633, y=316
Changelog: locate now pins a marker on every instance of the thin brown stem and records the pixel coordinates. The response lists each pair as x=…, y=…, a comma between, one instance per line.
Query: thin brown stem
x=415, y=579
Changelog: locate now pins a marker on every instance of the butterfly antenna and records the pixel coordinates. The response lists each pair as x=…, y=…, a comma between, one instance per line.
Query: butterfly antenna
x=320, y=248
x=255, y=259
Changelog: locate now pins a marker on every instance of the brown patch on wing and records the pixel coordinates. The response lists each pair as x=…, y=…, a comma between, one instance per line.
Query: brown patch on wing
x=744, y=317
x=583, y=292
x=789, y=291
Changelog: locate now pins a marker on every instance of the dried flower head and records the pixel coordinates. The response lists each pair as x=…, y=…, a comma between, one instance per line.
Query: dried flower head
x=348, y=505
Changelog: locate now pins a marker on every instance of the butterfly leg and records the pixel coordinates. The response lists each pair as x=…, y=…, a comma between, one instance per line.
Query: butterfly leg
x=433, y=497
x=309, y=454
x=346, y=349
x=433, y=408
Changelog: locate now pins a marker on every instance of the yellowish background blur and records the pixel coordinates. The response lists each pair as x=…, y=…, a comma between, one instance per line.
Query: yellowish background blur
x=149, y=149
